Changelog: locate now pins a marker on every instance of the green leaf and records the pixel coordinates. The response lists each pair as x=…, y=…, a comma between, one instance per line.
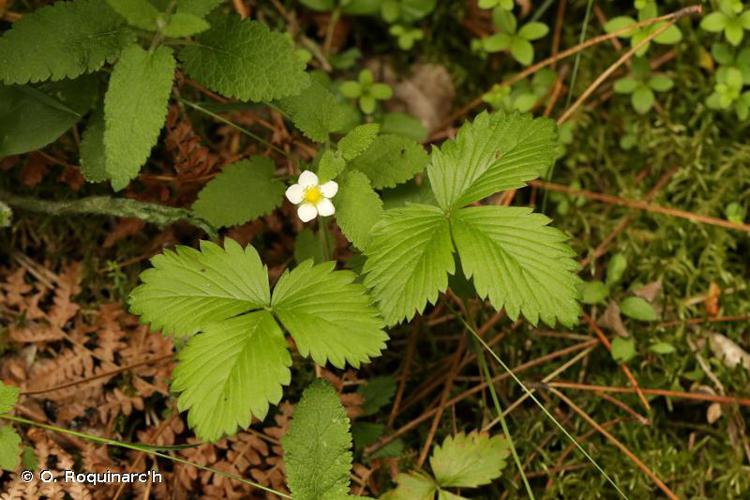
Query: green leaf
x=33, y=116
x=330, y=166
x=135, y=108
x=182, y=24
x=642, y=99
x=625, y=85
x=493, y=153
x=242, y=191
x=522, y=50
x=64, y=40
x=199, y=8
x=358, y=208
x=670, y=36
x=468, y=461
x=358, y=140
x=6, y=215
x=93, y=162
x=623, y=349
x=139, y=13
x=533, y=31
x=660, y=83
x=244, y=59
x=637, y=308
x=616, y=268
x=319, y=5
x=618, y=23
x=317, y=448
x=409, y=257
x=391, y=160
x=377, y=393
x=413, y=486
x=329, y=316
x=315, y=111
x=404, y=125
x=662, y=348
x=10, y=448
x=188, y=290
x=519, y=262
x=714, y=22
x=231, y=372
x=594, y=292
x=308, y=246
x=734, y=32
x=8, y=397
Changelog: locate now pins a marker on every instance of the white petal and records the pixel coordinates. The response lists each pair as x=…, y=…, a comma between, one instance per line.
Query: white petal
x=325, y=207
x=307, y=179
x=295, y=193
x=307, y=212
x=329, y=189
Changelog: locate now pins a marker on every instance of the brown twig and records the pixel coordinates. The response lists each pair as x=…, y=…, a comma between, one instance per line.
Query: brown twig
x=405, y=371
x=641, y=205
x=637, y=461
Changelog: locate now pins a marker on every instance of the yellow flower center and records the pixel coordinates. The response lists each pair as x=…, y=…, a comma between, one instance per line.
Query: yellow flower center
x=313, y=195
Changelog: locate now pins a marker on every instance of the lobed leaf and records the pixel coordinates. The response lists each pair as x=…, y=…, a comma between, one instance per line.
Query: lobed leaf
x=468, y=461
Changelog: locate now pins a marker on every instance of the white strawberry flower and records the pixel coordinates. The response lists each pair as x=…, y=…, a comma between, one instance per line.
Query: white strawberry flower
x=313, y=198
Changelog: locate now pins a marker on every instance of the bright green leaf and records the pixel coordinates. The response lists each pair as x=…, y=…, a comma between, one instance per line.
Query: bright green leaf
x=317, y=448
x=231, y=372
x=660, y=83
x=616, y=267
x=533, y=31
x=594, y=292
x=714, y=22
x=468, y=461
x=623, y=349
x=241, y=192
x=330, y=166
x=618, y=23
x=63, y=40
x=181, y=24
x=625, y=85
x=413, y=486
x=358, y=140
x=139, y=13
x=10, y=448
x=244, y=59
x=519, y=262
x=522, y=50
x=188, y=290
x=662, y=348
x=391, y=160
x=8, y=397
x=315, y=111
x=135, y=108
x=409, y=257
x=493, y=153
x=358, y=208
x=642, y=99
x=638, y=308
x=329, y=316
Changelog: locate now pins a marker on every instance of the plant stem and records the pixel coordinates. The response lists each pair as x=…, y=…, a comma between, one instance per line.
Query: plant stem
x=140, y=448
x=160, y=215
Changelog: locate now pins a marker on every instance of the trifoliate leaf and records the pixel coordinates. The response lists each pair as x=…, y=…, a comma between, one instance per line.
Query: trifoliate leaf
x=135, y=108
x=638, y=308
x=329, y=316
x=188, y=290
x=357, y=140
x=623, y=350
x=377, y=392
x=358, y=208
x=10, y=448
x=315, y=111
x=493, y=153
x=241, y=192
x=518, y=261
x=231, y=372
x=8, y=397
x=139, y=13
x=93, y=162
x=409, y=257
x=412, y=486
x=63, y=40
x=33, y=116
x=317, y=448
x=391, y=160
x=244, y=59
x=468, y=461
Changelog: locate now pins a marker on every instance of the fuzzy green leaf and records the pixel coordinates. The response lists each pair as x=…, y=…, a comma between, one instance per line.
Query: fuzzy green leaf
x=200, y=8
x=519, y=262
x=409, y=257
x=468, y=461
x=241, y=192
x=358, y=208
x=33, y=116
x=93, y=162
x=495, y=152
x=63, y=40
x=391, y=160
x=139, y=13
x=188, y=290
x=135, y=108
x=8, y=397
x=329, y=316
x=231, y=372
x=357, y=140
x=317, y=448
x=181, y=24
x=244, y=59
x=315, y=111
x=10, y=448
